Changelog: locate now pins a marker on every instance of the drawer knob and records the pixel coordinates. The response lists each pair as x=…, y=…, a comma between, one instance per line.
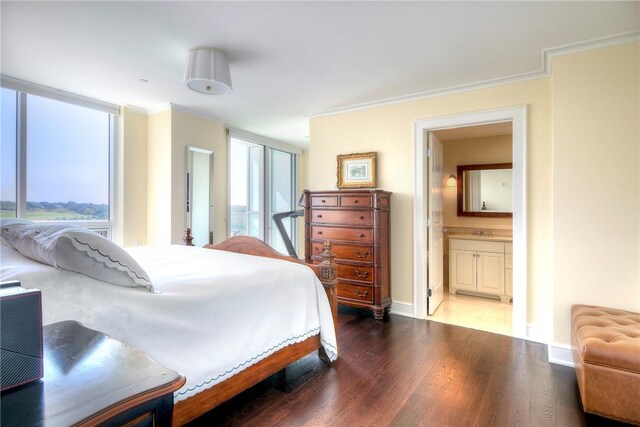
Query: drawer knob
x=324, y=201
x=320, y=232
x=361, y=234
x=355, y=201
x=361, y=216
x=361, y=294
x=319, y=216
x=361, y=255
x=361, y=275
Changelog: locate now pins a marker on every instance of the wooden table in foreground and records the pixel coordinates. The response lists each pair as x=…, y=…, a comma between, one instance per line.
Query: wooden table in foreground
x=92, y=379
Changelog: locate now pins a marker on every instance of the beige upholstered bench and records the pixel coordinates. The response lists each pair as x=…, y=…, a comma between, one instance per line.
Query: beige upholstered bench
x=606, y=352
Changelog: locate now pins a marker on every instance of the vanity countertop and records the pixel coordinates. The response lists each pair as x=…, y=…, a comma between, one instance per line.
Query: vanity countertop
x=505, y=239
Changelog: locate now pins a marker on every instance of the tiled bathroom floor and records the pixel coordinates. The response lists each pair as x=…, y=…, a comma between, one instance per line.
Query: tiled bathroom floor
x=475, y=312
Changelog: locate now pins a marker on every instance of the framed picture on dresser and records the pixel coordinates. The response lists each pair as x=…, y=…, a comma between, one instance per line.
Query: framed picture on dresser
x=357, y=170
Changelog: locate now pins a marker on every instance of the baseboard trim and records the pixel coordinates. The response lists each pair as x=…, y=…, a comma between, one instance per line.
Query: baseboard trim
x=402, y=308
x=560, y=354
x=536, y=333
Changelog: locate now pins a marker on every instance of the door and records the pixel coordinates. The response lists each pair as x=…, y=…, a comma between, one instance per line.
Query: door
x=490, y=268
x=435, y=235
x=199, y=195
x=462, y=270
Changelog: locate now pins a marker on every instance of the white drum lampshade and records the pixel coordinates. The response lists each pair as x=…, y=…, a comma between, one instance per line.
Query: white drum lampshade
x=207, y=71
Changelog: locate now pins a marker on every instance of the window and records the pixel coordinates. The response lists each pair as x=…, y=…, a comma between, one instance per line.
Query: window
x=8, y=153
x=262, y=182
x=56, y=160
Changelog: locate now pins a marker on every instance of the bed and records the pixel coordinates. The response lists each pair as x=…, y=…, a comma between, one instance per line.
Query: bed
x=231, y=314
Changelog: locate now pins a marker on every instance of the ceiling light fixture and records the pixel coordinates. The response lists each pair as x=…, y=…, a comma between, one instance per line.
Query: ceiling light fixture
x=207, y=71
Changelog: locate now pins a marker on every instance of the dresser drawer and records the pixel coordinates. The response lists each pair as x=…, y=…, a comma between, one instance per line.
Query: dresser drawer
x=355, y=272
x=342, y=217
x=355, y=201
x=355, y=292
x=317, y=201
x=341, y=233
x=349, y=252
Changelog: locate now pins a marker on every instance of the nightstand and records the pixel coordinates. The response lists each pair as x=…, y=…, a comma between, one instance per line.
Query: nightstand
x=91, y=378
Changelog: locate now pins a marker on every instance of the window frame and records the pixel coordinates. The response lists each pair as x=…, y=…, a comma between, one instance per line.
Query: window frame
x=265, y=190
x=23, y=89
x=268, y=216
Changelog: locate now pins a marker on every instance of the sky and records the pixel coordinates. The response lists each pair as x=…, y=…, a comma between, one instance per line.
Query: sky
x=68, y=155
x=67, y=151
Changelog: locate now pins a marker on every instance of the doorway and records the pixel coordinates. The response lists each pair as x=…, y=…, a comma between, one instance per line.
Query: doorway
x=199, y=195
x=517, y=117
x=475, y=188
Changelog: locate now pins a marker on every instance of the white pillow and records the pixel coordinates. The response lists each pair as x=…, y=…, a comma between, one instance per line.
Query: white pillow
x=7, y=224
x=79, y=250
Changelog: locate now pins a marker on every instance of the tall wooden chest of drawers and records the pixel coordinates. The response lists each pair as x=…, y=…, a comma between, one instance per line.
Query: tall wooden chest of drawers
x=357, y=222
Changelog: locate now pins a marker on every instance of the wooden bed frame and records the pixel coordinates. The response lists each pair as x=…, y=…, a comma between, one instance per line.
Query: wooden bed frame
x=191, y=408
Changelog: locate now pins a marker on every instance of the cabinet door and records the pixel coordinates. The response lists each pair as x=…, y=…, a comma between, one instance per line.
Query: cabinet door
x=462, y=270
x=508, y=282
x=490, y=272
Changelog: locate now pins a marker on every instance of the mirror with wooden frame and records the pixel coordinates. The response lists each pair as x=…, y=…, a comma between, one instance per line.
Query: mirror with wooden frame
x=485, y=190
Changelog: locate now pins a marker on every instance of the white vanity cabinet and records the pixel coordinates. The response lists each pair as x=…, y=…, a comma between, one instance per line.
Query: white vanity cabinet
x=478, y=265
x=508, y=269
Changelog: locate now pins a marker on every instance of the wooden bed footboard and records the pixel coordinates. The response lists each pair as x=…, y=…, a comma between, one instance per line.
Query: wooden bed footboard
x=201, y=403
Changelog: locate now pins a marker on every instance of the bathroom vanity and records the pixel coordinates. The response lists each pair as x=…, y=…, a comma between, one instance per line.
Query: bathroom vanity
x=481, y=265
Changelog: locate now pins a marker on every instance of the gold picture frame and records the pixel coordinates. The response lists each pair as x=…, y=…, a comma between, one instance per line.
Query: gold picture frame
x=357, y=170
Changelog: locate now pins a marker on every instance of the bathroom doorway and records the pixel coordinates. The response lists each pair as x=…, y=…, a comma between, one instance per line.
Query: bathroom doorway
x=501, y=253
x=475, y=262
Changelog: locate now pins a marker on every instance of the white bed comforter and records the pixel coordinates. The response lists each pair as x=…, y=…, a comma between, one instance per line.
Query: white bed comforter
x=215, y=313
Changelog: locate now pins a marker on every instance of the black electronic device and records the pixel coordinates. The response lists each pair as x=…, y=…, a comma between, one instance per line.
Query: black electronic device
x=20, y=335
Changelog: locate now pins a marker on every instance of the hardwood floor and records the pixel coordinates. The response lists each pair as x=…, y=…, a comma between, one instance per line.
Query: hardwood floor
x=407, y=372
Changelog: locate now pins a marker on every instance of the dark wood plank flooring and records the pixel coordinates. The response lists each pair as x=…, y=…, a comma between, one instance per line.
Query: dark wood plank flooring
x=407, y=372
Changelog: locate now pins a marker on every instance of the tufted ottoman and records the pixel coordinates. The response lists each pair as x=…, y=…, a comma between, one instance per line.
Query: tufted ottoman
x=606, y=351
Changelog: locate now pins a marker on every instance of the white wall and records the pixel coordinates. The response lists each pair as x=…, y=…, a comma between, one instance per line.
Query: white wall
x=158, y=193
x=187, y=129
x=134, y=165
x=389, y=129
x=153, y=167
x=596, y=182
x=583, y=181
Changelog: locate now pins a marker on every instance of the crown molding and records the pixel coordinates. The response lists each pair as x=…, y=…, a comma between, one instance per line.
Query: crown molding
x=193, y=112
x=434, y=93
x=158, y=108
x=586, y=45
x=171, y=106
x=136, y=109
x=547, y=58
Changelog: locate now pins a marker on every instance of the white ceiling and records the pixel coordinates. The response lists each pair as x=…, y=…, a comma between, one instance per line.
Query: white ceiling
x=289, y=60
